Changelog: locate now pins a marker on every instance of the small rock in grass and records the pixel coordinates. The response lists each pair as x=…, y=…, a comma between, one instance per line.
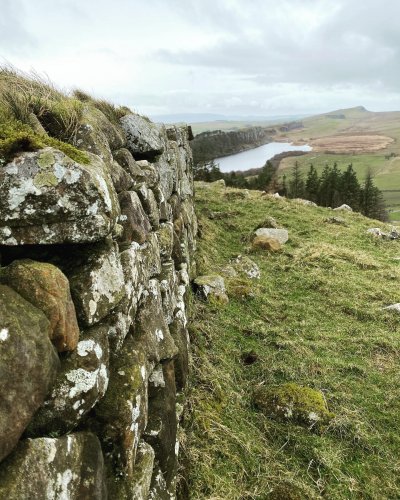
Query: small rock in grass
x=246, y=266
x=268, y=222
x=281, y=235
x=393, y=307
x=266, y=243
x=344, y=207
x=293, y=403
x=301, y=201
x=211, y=288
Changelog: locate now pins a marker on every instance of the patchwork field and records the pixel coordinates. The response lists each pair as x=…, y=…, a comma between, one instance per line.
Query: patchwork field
x=368, y=140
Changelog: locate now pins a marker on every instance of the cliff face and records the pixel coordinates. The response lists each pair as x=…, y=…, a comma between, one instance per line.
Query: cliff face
x=209, y=145
x=96, y=259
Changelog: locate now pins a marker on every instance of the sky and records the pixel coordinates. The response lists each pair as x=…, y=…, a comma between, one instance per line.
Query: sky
x=229, y=57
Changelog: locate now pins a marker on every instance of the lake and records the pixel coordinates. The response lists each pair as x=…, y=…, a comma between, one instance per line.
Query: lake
x=256, y=158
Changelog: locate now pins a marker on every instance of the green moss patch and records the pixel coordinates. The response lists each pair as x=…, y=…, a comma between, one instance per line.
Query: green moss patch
x=16, y=137
x=292, y=402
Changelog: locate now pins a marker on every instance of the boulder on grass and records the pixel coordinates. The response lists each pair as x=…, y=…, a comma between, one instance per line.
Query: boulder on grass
x=266, y=243
x=211, y=288
x=293, y=403
x=281, y=235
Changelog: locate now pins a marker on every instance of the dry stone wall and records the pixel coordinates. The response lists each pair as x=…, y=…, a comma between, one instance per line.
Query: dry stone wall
x=96, y=262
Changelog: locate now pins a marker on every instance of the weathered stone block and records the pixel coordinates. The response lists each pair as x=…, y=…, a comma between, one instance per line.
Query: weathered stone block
x=133, y=219
x=81, y=382
x=47, y=288
x=28, y=365
x=122, y=181
x=97, y=284
x=150, y=206
x=142, y=137
x=161, y=431
x=151, y=329
x=49, y=198
x=70, y=468
x=123, y=411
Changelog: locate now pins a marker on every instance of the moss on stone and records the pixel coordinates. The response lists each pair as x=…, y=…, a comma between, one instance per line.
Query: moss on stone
x=16, y=137
x=293, y=402
x=46, y=159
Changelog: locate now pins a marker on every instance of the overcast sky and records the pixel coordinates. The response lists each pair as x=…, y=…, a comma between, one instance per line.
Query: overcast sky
x=233, y=57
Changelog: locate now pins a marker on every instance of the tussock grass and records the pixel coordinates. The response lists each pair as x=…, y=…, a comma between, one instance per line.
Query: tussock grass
x=315, y=319
x=112, y=112
x=23, y=95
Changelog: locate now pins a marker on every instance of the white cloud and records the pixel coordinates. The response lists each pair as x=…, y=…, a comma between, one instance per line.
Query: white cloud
x=224, y=56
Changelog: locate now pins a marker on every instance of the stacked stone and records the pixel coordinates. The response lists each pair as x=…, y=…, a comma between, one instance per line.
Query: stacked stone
x=96, y=261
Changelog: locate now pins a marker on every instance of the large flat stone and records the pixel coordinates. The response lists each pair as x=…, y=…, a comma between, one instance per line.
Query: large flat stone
x=49, y=198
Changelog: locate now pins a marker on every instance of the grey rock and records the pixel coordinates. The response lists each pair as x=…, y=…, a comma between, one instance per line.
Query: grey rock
x=133, y=219
x=169, y=289
x=49, y=198
x=281, y=235
x=211, y=287
x=344, y=207
x=301, y=201
x=122, y=181
x=80, y=384
x=151, y=175
x=97, y=283
x=151, y=329
x=244, y=265
x=124, y=157
x=150, y=206
x=393, y=307
x=70, y=468
x=123, y=411
x=142, y=137
x=150, y=257
x=162, y=408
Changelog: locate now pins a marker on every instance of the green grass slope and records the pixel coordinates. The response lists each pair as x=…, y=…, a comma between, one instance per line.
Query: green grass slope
x=314, y=318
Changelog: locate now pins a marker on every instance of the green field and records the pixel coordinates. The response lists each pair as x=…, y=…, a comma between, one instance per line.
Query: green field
x=314, y=318
x=386, y=172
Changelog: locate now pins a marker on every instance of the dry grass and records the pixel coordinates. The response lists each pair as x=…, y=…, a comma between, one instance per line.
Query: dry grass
x=22, y=95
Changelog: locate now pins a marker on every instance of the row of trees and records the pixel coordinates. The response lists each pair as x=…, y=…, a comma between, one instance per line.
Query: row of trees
x=330, y=189
x=333, y=188
x=210, y=172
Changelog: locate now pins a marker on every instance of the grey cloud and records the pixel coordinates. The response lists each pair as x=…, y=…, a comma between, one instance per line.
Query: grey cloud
x=358, y=43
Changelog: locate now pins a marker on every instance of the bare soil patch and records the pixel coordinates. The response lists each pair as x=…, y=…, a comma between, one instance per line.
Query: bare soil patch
x=357, y=143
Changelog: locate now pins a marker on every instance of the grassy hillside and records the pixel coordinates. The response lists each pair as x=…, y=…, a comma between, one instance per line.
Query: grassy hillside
x=313, y=318
x=352, y=122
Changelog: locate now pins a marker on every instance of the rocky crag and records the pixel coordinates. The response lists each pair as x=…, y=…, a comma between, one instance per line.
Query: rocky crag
x=96, y=260
x=210, y=145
